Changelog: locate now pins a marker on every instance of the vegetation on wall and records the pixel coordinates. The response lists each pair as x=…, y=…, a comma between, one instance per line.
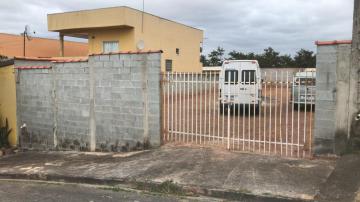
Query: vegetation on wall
x=269, y=58
x=4, y=133
x=3, y=57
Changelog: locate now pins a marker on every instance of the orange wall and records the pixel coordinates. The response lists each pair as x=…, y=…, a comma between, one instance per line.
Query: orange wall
x=12, y=45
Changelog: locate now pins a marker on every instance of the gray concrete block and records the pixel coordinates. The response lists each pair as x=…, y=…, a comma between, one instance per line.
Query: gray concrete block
x=325, y=95
x=115, y=57
x=104, y=57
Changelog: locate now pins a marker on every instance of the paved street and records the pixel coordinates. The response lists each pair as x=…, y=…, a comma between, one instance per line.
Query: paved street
x=16, y=191
x=202, y=170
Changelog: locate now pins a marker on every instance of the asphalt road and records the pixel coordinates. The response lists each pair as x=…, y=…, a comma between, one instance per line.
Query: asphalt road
x=16, y=191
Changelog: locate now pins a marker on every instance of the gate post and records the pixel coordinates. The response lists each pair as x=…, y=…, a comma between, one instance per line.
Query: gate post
x=332, y=96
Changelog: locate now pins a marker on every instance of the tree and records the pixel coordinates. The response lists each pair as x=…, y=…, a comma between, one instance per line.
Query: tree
x=270, y=58
x=305, y=59
x=286, y=61
x=235, y=55
x=204, y=60
x=216, y=57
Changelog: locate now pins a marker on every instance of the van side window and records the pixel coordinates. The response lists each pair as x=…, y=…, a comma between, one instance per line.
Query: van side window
x=248, y=77
x=231, y=76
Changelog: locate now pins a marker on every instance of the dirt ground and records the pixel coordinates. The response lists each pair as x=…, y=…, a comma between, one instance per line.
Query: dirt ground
x=278, y=128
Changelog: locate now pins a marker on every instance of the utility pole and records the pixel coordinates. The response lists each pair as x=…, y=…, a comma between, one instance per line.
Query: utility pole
x=142, y=17
x=24, y=35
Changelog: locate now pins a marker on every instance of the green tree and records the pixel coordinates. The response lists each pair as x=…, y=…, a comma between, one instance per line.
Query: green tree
x=216, y=57
x=204, y=60
x=235, y=55
x=305, y=59
x=270, y=58
x=286, y=61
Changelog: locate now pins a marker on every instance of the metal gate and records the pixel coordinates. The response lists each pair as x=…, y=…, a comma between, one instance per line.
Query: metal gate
x=194, y=112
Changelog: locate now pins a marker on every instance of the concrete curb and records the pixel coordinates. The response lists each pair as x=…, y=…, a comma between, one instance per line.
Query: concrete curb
x=190, y=190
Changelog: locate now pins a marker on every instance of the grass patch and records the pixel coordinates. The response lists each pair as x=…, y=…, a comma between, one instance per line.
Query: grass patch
x=167, y=187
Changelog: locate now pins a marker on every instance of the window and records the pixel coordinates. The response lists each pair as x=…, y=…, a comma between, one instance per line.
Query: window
x=231, y=76
x=110, y=46
x=248, y=77
x=168, y=65
x=177, y=51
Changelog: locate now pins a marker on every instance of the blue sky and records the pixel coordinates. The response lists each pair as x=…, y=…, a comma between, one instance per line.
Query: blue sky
x=243, y=25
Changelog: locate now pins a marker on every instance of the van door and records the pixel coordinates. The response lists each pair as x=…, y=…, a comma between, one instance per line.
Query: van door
x=304, y=90
x=248, y=87
x=230, y=85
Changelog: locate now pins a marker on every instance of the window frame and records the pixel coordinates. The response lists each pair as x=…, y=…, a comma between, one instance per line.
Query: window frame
x=117, y=47
x=248, y=78
x=166, y=65
x=234, y=76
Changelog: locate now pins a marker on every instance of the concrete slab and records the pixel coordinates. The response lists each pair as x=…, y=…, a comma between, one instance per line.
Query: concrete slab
x=205, y=168
x=344, y=182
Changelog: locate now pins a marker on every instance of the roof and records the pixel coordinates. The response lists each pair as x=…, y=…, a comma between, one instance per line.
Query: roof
x=128, y=52
x=12, y=45
x=55, y=59
x=116, y=7
x=335, y=42
x=33, y=67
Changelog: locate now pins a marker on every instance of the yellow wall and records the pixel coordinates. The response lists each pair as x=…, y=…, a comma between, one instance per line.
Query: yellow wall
x=125, y=24
x=124, y=35
x=8, y=99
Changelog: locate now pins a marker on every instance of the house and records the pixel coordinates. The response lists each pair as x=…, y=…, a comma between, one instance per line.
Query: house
x=126, y=29
x=13, y=45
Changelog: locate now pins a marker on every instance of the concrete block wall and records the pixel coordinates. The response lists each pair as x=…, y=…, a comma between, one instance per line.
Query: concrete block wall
x=110, y=103
x=332, y=93
x=34, y=91
x=71, y=105
x=127, y=100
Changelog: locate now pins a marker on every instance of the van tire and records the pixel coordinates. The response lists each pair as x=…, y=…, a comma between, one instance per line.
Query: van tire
x=223, y=108
x=257, y=109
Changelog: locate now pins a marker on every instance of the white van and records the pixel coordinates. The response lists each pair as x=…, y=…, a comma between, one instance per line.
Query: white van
x=303, y=89
x=240, y=84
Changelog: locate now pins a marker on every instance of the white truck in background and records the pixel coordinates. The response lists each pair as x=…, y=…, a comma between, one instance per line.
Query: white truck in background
x=240, y=85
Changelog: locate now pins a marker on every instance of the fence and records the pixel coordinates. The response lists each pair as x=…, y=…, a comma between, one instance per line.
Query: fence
x=196, y=112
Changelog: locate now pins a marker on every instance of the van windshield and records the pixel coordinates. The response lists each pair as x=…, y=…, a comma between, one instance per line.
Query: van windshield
x=248, y=77
x=231, y=76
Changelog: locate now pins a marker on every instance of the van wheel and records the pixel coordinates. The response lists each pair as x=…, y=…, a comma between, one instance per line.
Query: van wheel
x=257, y=109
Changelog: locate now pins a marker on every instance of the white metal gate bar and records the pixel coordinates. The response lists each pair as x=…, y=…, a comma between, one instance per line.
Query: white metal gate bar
x=195, y=111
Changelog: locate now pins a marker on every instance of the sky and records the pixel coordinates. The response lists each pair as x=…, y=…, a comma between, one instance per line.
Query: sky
x=242, y=25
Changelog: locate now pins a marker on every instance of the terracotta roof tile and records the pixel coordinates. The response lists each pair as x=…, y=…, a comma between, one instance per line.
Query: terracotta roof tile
x=335, y=42
x=66, y=60
x=128, y=52
x=33, y=67
x=55, y=59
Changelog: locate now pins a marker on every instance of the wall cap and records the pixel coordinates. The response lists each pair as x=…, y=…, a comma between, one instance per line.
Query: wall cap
x=335, y=42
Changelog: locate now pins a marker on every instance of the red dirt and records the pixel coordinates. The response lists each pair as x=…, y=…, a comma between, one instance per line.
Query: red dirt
x=285, y=136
